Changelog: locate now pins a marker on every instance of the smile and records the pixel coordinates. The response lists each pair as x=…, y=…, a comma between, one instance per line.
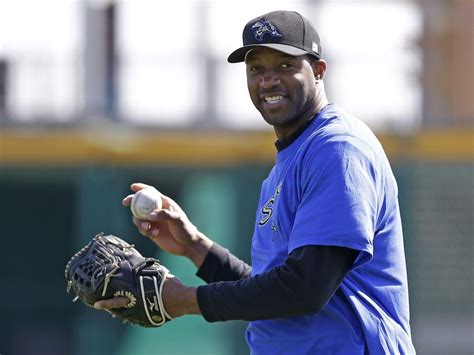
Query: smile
x=273, y=99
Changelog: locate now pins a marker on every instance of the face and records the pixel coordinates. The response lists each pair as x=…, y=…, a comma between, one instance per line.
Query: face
x=281, y=87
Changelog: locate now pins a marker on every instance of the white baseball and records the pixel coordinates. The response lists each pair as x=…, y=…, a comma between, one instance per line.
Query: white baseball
x=144, y=202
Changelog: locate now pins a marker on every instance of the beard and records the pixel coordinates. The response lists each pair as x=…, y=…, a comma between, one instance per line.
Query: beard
x=286, y=114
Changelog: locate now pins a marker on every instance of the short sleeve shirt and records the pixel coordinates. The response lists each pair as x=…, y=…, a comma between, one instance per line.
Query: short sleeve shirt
x=334, y=186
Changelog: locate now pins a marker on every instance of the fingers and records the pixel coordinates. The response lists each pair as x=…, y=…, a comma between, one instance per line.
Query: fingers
x=112, y=303
x=155, y=217
x=168, y=203
x=146, y=228
x=127, y=200
x=137, y=186
x=171, y=212
x=164, y=215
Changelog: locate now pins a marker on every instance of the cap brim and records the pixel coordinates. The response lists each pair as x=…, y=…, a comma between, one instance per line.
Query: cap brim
x=239, y=54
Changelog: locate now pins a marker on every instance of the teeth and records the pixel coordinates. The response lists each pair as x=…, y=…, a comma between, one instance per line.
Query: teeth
x=273, y=99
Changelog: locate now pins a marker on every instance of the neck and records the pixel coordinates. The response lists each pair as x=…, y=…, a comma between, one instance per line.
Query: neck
x=321, y=97
x=320, y=102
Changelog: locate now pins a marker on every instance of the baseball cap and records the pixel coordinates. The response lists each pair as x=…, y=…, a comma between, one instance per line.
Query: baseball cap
x=285, y=31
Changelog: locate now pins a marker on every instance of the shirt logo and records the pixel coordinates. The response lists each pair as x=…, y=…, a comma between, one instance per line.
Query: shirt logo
x=267, y=209
x=260, y=28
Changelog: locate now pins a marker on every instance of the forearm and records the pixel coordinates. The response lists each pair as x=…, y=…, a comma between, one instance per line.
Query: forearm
x=220, y=265
x=199, y=249
x=214, y=263
x=302, y=285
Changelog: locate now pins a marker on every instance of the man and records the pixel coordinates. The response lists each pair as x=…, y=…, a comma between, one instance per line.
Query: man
x=328, y=271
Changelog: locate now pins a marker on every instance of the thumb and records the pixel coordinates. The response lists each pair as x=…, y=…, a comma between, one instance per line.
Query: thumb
x=164, y=215
x=137, y=186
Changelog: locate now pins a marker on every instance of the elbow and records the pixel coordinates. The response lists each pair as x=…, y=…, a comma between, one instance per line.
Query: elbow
x=307, y=303
x=315, y=307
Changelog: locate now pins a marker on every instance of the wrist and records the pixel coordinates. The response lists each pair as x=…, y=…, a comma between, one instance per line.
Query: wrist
x=178, y=299
x=199, y=249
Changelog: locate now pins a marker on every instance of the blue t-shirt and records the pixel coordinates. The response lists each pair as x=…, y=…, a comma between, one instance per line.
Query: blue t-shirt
x=334, y=186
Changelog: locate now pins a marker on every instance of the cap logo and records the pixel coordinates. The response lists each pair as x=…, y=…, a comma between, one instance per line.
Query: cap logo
x=263, y=27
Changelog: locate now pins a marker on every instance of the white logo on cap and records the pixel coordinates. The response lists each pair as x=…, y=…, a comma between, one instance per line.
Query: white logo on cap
x=315, y=47
x=260, y=28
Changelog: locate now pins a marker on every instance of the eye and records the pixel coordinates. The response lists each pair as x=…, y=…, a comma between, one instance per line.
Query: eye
x=253, y=68
x=287, y=65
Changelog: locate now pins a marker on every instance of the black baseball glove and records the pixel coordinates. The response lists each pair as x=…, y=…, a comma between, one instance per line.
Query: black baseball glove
x=107, y=267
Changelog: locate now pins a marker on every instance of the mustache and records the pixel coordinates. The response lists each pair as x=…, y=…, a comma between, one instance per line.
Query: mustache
x=273, y=91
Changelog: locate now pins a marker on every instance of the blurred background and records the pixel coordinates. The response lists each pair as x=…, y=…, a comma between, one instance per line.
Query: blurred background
x=95, y=95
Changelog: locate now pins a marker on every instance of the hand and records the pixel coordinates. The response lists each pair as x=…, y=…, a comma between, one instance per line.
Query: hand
x=178, y=299
x=111, y=303
x=171, y=229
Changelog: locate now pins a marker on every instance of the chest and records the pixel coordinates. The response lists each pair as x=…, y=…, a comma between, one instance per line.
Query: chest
x=275, y=215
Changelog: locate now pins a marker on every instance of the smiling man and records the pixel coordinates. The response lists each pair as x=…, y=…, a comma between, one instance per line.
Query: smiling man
x=328, y=271
x=282, y=88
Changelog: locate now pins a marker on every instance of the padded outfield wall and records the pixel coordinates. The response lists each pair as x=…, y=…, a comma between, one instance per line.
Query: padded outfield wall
x=60, y=187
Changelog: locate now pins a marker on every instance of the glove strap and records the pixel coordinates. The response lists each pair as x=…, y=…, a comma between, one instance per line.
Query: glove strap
x=158, y=292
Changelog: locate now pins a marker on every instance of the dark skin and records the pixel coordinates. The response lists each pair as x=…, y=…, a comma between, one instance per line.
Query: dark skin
x=287, y=91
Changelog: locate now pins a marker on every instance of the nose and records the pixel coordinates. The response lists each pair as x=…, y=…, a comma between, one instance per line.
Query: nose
x=269, y=79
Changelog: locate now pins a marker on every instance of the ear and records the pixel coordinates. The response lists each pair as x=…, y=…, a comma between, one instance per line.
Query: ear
x=319, y=68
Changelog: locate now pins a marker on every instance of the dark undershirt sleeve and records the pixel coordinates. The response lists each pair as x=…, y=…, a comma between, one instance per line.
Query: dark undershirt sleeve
x=302, y=285
x=221, y=265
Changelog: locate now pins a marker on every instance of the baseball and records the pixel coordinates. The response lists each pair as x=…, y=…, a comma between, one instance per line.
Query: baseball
x=144, y=202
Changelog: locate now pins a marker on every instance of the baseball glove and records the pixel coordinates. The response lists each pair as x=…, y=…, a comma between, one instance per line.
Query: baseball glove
x=107, y=267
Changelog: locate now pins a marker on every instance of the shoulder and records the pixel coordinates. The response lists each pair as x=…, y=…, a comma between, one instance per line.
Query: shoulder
x=337, y=132
x=341, y=144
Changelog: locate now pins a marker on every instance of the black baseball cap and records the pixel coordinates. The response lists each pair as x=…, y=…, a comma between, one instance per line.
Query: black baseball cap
x=285, y=31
